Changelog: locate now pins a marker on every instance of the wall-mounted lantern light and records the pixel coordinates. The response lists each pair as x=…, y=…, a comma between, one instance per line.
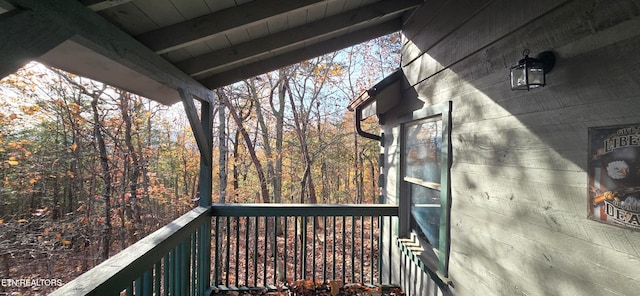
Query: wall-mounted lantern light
x=530, y=72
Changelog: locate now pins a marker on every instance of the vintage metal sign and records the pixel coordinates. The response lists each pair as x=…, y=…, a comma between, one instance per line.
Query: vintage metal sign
x=614, y=175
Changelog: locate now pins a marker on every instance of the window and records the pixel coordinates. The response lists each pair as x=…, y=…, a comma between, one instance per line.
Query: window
x=425, y=193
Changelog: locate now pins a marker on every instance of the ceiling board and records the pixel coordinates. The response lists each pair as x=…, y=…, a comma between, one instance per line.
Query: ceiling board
x=237, y=36
x=200, y=44
x=217, y=5
x=197, y=49
x=161, y=12
x=281, y=23
x=257, y=31
x=130, y=18
x=348, y=5
x=177, y=55
x=218, y=42
x=202, y=28
x=334, y=8
x=192, y=8
x=316, y=14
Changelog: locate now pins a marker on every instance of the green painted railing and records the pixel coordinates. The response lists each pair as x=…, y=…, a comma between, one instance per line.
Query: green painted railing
x=252, y=245
x=173, y=260
x=275, y=244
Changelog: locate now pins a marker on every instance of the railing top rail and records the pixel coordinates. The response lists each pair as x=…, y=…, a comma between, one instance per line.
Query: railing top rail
x=113, y=275
x=314, y=210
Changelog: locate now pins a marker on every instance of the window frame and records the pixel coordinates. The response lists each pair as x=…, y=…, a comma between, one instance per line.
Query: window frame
x=435, y=263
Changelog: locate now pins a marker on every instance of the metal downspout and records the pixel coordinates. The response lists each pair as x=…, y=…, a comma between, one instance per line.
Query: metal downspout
x=359, y=127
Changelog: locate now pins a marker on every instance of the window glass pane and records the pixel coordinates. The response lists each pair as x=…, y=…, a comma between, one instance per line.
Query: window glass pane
x=425, y=214
x=422, y=151
x=424, y=195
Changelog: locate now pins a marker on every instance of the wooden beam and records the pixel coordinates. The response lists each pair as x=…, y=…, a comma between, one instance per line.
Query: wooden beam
x=254, y=69
x=96, y=33
x=202, y=138
x=313, y=210
x=97, y=5
x=342, y=22
x=5, y=6
x=25, y=37
x=201, y=28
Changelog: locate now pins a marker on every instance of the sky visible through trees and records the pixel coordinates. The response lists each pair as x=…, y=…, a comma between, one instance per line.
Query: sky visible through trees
x=87, y=169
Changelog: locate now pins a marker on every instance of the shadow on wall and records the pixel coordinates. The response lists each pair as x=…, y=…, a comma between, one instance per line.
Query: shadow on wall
x=519, y=181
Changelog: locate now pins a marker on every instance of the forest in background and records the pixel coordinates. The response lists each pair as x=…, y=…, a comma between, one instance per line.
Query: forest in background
x=87, y=169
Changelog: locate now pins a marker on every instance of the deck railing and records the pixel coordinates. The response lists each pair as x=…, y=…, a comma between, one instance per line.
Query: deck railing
x=275, y=244
x=174, y=260
x=252, y=245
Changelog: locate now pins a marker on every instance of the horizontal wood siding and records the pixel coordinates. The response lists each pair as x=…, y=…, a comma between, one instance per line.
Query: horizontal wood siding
x=519, y=181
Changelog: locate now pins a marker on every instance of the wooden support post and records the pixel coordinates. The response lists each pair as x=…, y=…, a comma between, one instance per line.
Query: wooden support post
x=202, y=127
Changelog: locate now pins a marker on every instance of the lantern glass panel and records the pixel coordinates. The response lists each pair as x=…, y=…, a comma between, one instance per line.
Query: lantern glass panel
x=536, y=75
x=519, y=77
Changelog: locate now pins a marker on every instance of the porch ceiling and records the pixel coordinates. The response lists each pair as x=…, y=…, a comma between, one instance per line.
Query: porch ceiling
x=155, y=47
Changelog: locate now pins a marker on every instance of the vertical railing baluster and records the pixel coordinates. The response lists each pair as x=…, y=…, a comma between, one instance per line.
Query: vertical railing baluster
x=147, y=283
x=175, y=266
x=401, y=267
x=295, y=248
x=304, y=247
x=344, y=255
x=158, y=276
x=265, y=251
x=227, y=259
x=361, y=248
x=333, y=250
x=324, y=249
x=204, y=257
x=137, y=286
x=380, y=236
x=129, y=290
x=390, y=248
x=198, y=252
x=246, y=251
x=237, y=225
x=275, y=249
x=255, y=252
x=166, y=275
x=353, y=247
x=313, y=248
x=193, y=271
x=284, y=255
x=371, y=266
x=216, y=272
x=185, y=249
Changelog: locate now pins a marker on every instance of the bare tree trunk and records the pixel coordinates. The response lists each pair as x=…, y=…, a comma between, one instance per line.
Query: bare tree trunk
x=250, y=148
x=278, y=112
x=304, y=147
x=106, y=176
x=236, y=175
x=144, y=167
x=132, y=159
x=224, y=152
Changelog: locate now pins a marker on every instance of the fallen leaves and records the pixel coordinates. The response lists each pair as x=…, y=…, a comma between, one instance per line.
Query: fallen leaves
x=13, y=161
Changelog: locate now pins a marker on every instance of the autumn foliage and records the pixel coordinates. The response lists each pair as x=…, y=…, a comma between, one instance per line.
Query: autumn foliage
x=88, y=169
